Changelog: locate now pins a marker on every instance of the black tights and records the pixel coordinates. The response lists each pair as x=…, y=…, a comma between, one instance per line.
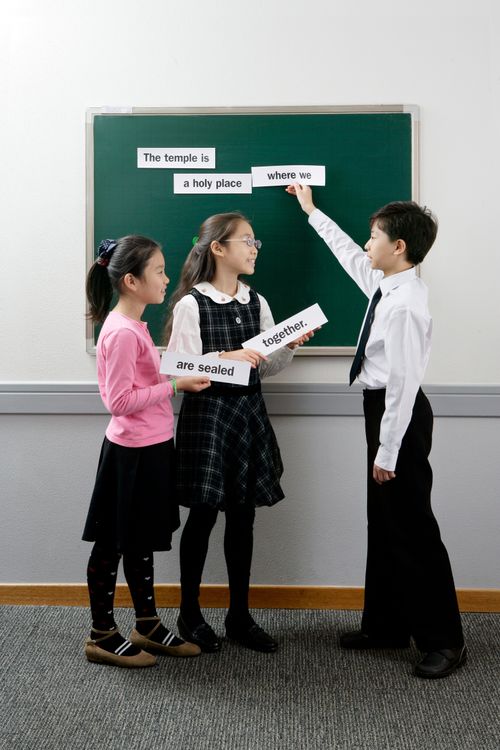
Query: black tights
x=238, y=548
x=101, y=578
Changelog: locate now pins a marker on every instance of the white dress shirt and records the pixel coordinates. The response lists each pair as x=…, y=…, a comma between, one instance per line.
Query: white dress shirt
x=186, y=336
x=397, y=350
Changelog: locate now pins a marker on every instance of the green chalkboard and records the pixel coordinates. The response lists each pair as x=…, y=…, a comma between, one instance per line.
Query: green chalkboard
x=369, y=155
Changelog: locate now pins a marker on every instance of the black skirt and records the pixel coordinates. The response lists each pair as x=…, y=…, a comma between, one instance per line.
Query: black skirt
x=133, y=506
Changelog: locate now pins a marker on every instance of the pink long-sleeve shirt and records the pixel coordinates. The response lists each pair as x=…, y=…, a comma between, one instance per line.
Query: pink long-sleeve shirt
x=131, y=387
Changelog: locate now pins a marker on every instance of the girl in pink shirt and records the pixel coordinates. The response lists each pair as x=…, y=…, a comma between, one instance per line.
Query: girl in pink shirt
x=133, y=510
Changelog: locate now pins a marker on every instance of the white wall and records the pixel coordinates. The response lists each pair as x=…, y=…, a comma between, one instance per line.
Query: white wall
x=63, y=56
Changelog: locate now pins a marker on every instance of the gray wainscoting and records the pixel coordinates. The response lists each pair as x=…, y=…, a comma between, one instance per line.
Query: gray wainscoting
x=312, y=399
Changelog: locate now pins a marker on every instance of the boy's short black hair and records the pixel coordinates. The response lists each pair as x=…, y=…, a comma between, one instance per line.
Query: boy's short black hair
x=406, y=220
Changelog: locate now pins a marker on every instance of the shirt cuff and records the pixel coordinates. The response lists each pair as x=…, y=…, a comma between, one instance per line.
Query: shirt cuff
x=316, y=217
x=386, y=459
x=284, y=356
x=286, y=353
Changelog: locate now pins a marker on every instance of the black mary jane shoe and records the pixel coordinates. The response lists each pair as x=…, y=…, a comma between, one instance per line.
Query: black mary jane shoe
x=251, y=636
x=436, y=664
x=202, y=635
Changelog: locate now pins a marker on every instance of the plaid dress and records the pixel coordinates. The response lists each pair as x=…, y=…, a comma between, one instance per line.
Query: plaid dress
x=227, y=452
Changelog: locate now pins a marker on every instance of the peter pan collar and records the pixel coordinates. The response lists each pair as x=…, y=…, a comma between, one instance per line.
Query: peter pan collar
x=242, y=294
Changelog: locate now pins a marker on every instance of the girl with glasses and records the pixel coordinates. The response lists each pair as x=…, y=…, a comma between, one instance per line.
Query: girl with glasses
x=228, y=457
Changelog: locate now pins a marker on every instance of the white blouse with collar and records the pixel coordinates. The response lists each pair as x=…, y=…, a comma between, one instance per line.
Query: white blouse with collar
x=185, y=336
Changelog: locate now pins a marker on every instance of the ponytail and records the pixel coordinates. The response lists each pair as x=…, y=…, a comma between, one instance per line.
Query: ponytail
x=99, y=292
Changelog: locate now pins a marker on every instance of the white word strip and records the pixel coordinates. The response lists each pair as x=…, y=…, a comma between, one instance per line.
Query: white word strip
x=285, y=175
x=212, y=183
x=215, y=368
x=287, y=331
x=175, y=158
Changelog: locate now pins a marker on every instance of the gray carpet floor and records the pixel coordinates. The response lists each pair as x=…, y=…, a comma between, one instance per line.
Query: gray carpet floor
x=310, y=695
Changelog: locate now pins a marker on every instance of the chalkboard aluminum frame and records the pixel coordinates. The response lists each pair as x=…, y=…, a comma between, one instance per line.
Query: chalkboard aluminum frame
x=411, y=109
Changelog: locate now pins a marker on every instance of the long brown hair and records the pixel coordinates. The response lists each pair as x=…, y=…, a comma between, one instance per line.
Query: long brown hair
x=199, y=265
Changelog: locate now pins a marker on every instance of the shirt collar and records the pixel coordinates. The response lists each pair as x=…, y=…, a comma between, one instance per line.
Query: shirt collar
x=389, y=283
x=242, y=293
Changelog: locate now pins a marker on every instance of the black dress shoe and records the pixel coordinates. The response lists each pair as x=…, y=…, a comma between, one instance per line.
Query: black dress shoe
x=358, y=640
x=441, y=663
x=251, y=636
x=202, y=635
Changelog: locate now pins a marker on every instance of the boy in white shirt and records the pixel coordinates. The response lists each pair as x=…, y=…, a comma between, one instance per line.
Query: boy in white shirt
x=409, y=588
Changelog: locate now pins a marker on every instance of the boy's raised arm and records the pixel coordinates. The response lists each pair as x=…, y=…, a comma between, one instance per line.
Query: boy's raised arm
x=304, y=196
x=350, y=256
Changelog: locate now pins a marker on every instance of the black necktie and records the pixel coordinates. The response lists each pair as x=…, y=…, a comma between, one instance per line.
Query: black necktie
x=360, y=351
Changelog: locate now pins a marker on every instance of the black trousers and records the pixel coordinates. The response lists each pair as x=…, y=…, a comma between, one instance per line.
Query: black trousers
x=409, y=588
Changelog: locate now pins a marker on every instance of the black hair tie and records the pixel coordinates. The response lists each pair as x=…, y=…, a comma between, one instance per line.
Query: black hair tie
x=105, y=251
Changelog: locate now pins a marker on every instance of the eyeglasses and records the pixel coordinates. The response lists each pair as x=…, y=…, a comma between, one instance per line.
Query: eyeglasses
x=250, y=241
